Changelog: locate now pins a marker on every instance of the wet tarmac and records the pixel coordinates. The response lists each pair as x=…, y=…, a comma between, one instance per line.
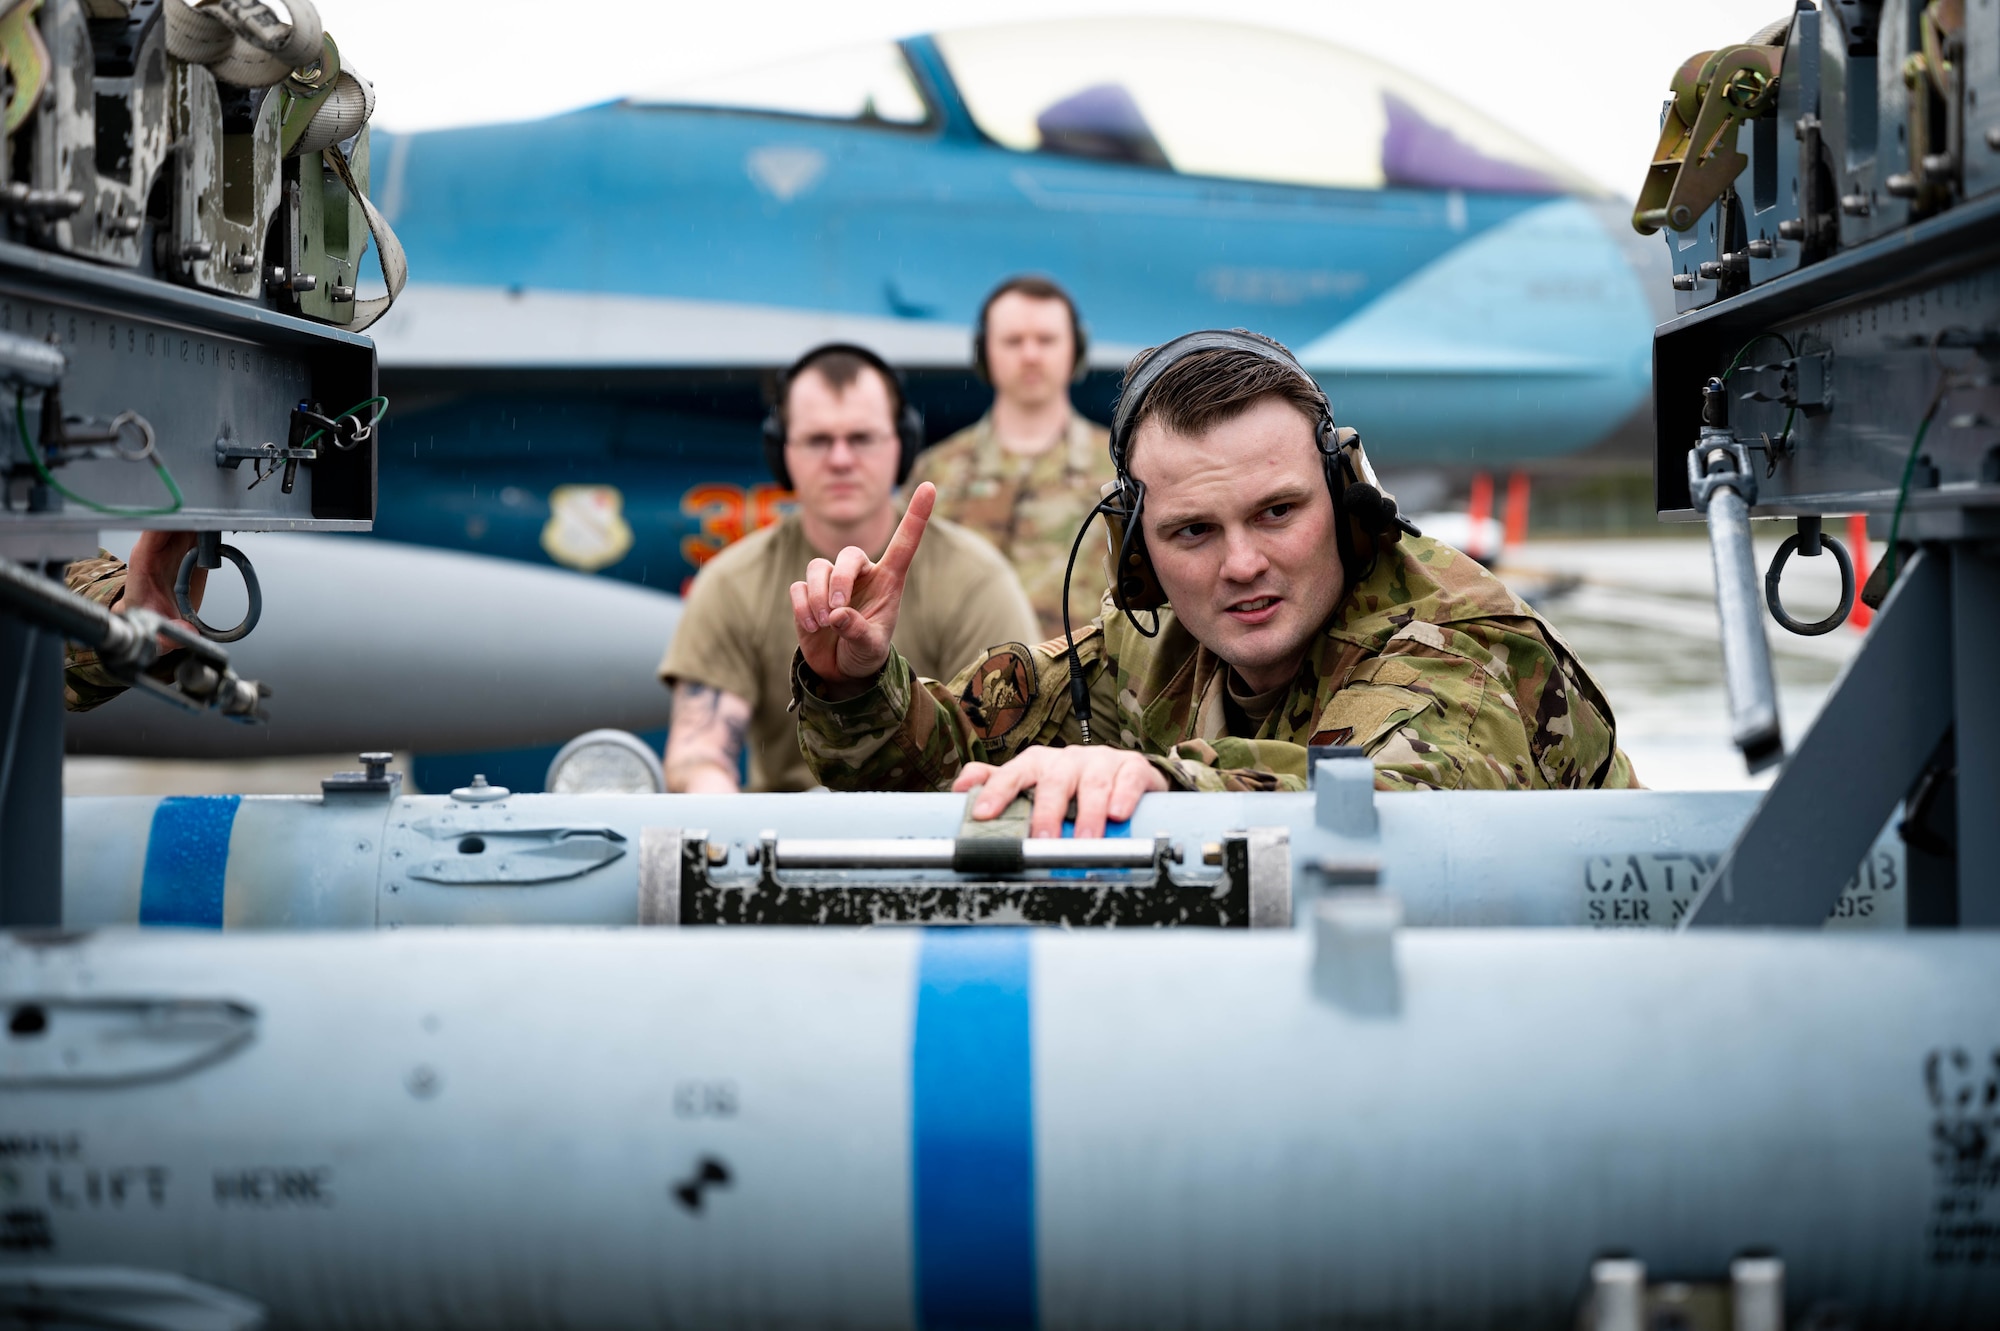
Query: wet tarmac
x=1640, y=612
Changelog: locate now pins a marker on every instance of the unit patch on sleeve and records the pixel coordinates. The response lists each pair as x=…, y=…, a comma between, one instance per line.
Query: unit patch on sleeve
x=1000, y=690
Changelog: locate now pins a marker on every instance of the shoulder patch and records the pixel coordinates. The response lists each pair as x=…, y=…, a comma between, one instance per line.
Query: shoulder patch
x=1000, y=690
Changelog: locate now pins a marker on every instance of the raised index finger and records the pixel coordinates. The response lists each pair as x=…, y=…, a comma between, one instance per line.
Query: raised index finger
x=910, y=531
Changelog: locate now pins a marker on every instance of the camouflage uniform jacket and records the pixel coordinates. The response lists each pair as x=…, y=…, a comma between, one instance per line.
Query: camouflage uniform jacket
x=1029, y=507
x=86, y=683
x=1430, y=664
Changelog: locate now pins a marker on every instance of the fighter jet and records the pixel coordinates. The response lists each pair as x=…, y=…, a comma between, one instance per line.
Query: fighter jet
x=599, y=301
x=580, y=361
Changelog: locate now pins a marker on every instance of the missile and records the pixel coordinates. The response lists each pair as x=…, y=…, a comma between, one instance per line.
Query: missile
x=361, y=855
x=369, y=644
x=1343, y=1124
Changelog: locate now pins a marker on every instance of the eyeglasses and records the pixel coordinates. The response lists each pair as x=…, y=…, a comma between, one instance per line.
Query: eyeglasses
x=860, y=441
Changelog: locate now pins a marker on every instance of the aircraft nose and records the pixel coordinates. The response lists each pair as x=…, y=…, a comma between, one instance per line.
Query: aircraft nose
x=1533, y=337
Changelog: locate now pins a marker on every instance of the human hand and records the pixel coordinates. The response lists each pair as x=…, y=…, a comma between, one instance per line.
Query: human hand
x=846, y=610
x=1105, y=782
x=149, y=578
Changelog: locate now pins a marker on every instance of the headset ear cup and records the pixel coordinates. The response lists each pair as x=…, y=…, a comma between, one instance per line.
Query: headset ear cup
x=910, y=438
x=1081, y=335
x=774, y=449
x=1134, y=584
x=979, y=366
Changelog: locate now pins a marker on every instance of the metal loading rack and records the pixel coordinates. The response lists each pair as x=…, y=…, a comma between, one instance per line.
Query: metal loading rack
x=183, y=212
x=1836, y=224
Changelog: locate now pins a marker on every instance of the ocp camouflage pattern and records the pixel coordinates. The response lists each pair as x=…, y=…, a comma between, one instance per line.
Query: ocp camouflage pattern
x=1430, y=664
x=86, y=683
x=1030, y=508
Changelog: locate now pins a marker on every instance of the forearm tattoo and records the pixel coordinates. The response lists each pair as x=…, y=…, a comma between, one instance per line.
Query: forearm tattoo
x=709, y=726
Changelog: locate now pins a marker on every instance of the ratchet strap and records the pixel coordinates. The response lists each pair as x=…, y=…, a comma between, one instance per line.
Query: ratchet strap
x=388, y=250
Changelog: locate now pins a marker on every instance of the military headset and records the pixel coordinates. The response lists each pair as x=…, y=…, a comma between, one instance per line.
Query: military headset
x=1079, y=335
x=909, y=420
x=1365, y=518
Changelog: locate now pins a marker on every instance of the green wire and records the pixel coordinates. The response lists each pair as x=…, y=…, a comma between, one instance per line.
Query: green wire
x=111, y=510
x=1743, y=351
x=166, y=477
x=1785, y=436
x=1903, y=490
x=359, y=406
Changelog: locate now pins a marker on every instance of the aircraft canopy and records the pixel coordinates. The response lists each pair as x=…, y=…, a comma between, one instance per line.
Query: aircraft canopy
x=869, y=82
x=1193, y=96
x=1224, y=99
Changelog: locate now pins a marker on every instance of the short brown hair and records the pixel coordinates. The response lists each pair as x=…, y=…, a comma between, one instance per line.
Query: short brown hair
x=1034, y=288
x=841, y=369
x=1206, y=388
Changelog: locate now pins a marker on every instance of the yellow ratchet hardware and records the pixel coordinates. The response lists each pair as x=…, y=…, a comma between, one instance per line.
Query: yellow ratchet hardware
x=1696, y=161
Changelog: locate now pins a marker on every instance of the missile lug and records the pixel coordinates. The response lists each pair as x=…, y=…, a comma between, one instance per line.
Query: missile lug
x=1354, y=952
x=480, y=791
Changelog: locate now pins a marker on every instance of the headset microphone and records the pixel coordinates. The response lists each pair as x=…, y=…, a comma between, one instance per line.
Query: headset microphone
x=1079, y=692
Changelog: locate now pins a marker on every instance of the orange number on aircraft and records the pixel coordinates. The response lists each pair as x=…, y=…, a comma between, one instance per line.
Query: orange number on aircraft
x=719, y=510
x=768, y=504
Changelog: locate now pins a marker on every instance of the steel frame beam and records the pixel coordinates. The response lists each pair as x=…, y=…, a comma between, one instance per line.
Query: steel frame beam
x=31, y=756
x=1880, y=725
x=1975, y=623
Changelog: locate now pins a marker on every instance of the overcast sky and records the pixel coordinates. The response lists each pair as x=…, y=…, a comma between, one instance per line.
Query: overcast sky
x=1583, y=77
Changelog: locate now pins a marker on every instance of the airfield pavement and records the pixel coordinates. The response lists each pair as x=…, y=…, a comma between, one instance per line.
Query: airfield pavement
x=1641, y=614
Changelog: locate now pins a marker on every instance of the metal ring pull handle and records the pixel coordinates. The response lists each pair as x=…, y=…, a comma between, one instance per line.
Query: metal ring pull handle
x=1777, y=572
x=144, y=427
x=251, y=590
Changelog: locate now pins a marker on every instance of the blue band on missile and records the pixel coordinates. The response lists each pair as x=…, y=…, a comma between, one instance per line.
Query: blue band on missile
x=186, y=858
x=973, y=1133
x=1112, y=831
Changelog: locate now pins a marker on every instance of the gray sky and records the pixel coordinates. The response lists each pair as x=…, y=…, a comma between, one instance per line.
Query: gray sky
x=1585, y=78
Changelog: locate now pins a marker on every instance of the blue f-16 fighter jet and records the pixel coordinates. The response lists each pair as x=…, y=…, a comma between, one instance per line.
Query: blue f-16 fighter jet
x=600, y=299
x=580, y=363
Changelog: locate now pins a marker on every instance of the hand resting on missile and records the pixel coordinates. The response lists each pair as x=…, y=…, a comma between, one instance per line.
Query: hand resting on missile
x=1106, y=784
